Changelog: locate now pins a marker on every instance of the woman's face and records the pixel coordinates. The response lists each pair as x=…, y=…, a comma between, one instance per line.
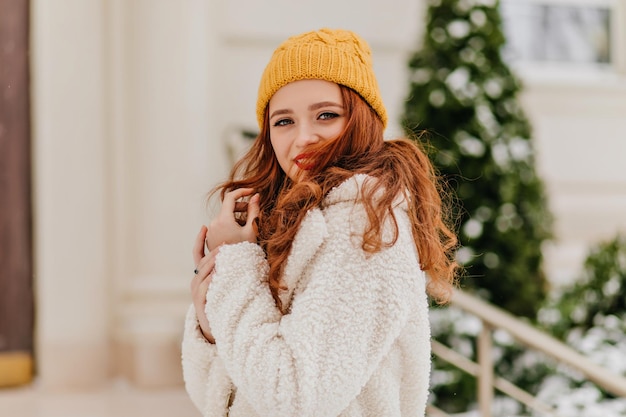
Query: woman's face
x=300, y=114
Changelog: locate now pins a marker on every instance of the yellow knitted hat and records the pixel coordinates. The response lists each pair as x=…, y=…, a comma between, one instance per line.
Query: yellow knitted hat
x=339, y=56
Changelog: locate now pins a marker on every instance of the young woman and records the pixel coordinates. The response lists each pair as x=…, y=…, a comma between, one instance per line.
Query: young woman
x=310, y=298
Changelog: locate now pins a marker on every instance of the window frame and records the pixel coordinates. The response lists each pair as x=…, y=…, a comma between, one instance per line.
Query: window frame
x=615, y=69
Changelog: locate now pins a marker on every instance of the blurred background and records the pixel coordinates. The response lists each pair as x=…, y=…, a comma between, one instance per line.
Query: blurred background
x=117, y=116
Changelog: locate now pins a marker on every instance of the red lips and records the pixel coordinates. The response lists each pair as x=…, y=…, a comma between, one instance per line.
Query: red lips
x=304, y=161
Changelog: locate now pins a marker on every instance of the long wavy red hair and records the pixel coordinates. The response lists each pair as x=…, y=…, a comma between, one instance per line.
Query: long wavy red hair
x=399, y=166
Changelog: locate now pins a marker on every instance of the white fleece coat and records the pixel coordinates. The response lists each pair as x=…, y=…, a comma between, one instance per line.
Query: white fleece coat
x=354, y=342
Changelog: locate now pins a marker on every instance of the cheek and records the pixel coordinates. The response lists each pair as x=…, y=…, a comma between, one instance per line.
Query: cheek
x=274, y=142
x=279, y=144
x=334, y=130
x=281, y=151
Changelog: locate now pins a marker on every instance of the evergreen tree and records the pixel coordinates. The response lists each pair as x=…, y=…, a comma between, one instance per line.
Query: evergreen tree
x=597, y=297
x=465, y=97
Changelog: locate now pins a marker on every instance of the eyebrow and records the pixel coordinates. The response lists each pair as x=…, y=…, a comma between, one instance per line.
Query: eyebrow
x=324, y=104
x=313, y=106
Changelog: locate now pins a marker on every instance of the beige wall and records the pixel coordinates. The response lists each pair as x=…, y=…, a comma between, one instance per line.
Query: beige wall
x=70, y=183
x=124, y=152
x=580, y=132
x=133, y=101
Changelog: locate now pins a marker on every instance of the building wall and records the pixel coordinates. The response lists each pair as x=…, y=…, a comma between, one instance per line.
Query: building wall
x=134, y=102
x=70, y=182
x=580, y=132
x=124, y=152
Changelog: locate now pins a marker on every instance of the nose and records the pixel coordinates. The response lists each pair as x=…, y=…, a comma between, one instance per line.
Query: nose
x=306, y=135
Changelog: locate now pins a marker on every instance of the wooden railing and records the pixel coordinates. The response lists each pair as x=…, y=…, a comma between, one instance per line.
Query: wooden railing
x=494, y=318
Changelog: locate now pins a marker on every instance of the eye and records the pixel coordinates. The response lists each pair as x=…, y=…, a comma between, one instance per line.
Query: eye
x=283, y=122
x=327, y=115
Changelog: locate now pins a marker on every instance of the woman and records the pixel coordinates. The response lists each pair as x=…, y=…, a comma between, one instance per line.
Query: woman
x=311, y=298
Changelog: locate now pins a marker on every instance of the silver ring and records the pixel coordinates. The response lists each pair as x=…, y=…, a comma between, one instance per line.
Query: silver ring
x=195, y=271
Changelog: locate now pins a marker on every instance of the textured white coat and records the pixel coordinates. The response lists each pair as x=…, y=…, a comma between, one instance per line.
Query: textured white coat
x=355, y=340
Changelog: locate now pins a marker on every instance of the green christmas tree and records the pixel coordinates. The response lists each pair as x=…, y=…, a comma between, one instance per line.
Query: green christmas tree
x=464, y=96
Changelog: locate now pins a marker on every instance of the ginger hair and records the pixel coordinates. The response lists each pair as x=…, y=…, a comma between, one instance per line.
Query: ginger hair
x=399, y=167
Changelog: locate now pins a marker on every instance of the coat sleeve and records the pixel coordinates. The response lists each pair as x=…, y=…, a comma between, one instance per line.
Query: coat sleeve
x=315, y=360
x=206, y=380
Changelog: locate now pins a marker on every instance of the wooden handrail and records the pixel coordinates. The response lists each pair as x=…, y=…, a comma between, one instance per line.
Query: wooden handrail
x=494, y=318
x=533, y=338
x=501, y=384
x=485, y=376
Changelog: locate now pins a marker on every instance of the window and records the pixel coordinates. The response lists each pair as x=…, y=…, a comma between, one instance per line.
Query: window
x=561, y=32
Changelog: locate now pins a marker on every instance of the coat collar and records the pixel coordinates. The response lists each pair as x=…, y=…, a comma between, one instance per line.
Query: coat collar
x=307, y=241
x=351, y=190
x=313, y=231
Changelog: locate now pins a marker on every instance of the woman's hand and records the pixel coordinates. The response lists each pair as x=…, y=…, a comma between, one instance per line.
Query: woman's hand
x=228, y=226
x=205, y=263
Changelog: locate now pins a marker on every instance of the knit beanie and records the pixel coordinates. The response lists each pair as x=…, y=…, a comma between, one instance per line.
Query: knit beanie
x=338, y=56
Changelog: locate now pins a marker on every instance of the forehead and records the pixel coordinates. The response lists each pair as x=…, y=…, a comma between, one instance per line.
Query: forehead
x=306, y=92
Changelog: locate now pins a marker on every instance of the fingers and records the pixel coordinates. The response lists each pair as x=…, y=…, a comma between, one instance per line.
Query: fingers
x=253, y=210
x=206, y=264
x=198, y=247
x=200, y=283
x=203, y=275
x=230, y=199
x=204, y=269
x=235, y=221
x=241, y=206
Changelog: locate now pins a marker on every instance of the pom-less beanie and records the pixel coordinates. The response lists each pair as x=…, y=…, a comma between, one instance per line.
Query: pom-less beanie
x=338, y=56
